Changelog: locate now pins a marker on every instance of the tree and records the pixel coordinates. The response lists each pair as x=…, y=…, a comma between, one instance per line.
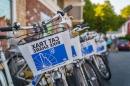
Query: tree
x=102, y=17
x=125, y=12
x=105, y=16
x=88, y=13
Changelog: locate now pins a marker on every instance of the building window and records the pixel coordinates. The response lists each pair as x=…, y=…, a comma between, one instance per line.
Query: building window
x=5, y=12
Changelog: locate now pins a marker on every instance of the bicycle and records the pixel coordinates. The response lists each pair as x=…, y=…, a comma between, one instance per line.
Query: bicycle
x=40, y=80
x=25, y=67
x=87, y=60
x=99, y=59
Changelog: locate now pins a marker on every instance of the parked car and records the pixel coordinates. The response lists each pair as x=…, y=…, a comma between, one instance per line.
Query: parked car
x=123, y=44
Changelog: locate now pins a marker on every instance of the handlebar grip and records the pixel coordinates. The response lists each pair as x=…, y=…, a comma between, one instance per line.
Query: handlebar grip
x=67, y=9
x=83, y=25
x=4, y=29
x=3, y=37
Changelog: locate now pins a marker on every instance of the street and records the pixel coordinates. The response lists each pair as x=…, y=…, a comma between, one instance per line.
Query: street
x=120, y=67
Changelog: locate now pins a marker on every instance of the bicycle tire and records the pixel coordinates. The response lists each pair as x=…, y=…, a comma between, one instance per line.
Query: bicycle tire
x=91, y=75
x=102, y=67
x=3, y=81
x=59, y=82
x=0, y=83
x=71, y=80
x=104, y=57
x=79, y=80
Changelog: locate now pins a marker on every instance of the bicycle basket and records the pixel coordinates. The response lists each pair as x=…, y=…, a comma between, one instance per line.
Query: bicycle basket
x=101, y=47
x=76, y=48
x=88, y=48
x=47, y=53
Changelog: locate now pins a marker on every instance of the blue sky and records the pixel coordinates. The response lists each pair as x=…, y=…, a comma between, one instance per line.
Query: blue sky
x=5, y=8
x=118, y=4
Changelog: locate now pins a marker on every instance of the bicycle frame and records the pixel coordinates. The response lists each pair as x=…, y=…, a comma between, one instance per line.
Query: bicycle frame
x=6, y=68
x=7, y=71
x=2, y=78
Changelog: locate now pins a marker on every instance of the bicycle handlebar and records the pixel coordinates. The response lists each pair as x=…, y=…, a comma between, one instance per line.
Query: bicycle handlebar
x=17, y=26
x=4, y=29
x=11, y=28
x=81, y=27
x=67, y=9
x=60, y=13
x=3, y=37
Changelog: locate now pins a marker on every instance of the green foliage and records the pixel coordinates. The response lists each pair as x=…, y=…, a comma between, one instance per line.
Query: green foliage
x=89, y=13
x=104, y=14
x=125, y=12
x=127, y=37
x=102, y=17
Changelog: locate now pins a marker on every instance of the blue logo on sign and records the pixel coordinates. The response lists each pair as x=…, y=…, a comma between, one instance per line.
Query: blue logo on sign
x=87, y=50
x=73, y=51
x=101, y=48
x=50, y=57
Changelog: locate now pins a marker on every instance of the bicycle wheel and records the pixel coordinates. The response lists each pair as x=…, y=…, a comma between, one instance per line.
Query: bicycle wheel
x=102, y=67
x=90, y=75
x=3, y=81
x=0, y=83
x=79, y=80
x=59, y=82
x=104, y=57
x=71, y=80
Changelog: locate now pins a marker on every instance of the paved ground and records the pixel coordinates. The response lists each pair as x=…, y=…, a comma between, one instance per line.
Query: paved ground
x=120, y=67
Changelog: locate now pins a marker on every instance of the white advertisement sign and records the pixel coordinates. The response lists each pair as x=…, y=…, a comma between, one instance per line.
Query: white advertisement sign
x=76, y=48
x=101, y=47
x=88, y=48
x=47, y=53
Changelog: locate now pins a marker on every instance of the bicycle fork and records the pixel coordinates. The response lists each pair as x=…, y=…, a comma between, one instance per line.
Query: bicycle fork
x=81, y=69
x=7, y=71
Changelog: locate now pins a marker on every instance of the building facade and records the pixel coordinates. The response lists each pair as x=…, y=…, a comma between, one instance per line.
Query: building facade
x=27, y=12
x=77, y=10
x=5, y=18
x=125, y=28
x=128, y=26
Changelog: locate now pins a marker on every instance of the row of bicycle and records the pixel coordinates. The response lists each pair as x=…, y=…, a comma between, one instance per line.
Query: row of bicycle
x=57, y=59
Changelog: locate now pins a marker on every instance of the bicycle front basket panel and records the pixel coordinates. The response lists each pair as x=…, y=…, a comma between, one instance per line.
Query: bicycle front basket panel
x=48, y=53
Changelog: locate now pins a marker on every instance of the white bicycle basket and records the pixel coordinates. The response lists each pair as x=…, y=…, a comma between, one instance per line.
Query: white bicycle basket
x=47, y=53
x=88, y=48
x=76, y=48
x=101, y=47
